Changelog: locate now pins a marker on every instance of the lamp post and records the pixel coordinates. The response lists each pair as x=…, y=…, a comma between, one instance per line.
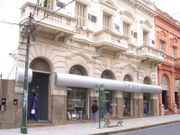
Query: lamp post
x=100, y=90
x=25, y=88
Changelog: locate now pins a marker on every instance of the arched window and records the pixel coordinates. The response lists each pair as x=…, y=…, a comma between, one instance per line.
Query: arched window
x=147, y=80
x=127, y=78
x=78, y=70
x=40, y=65
x=108, y=74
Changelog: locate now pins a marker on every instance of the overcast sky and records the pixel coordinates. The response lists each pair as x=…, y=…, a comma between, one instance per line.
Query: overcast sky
x=10, y=12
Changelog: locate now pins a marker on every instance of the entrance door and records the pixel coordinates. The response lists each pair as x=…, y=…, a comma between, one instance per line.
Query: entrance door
x=39, y=85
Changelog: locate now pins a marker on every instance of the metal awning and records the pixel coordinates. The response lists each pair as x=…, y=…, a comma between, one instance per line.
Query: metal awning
x=20, y=74
x=70, y=80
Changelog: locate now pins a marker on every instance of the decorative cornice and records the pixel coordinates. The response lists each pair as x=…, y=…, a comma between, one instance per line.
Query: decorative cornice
x=167, y=18
x=142, y=6
x=109, y=3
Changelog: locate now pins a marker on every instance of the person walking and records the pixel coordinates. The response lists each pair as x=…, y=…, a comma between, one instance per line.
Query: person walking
x=94, y=109
x=35, y=106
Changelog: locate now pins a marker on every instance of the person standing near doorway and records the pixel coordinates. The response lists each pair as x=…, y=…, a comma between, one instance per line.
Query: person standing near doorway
x=35, y=106
x=94, y=109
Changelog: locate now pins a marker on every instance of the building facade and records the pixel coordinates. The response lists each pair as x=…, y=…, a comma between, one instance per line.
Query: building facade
x=168, y=41
x=85, y=43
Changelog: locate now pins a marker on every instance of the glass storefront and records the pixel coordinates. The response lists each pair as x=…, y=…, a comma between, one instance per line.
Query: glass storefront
x=107, y=103
x=127, y=104
x=147, y=104
x=77, y=104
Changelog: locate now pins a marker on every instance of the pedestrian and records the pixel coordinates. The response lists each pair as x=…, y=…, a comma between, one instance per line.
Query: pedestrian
x=35, y=106
x=94, y=109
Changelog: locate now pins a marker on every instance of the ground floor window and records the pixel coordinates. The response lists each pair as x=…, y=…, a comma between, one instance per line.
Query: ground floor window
x=107, y=103
x=165, y=99
x=147, y=103
x=176, y=94
x=77, y=103
x=127, y=104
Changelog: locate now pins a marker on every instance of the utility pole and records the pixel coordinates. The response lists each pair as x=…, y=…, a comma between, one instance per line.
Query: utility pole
x=29, y=28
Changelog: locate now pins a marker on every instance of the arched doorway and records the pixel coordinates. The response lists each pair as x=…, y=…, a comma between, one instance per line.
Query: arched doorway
x=77, y=98
x=108, y=101
x=147, y=98
x=127, y=97
x=165, y=91
x=39, y=86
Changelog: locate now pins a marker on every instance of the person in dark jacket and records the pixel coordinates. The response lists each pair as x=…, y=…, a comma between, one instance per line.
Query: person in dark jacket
x=94, y=109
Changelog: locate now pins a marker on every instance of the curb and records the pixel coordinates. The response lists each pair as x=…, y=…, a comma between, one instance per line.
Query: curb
x=136, y=128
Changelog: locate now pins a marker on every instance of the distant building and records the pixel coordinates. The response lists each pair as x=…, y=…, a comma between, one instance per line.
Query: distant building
x=89, y=42
x=168, y=42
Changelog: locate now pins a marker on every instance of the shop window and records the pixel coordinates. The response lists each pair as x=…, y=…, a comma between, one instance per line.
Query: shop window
x=147, y=104
x=77, y=104
x=165, y=99
x=127, y=104
x=77, y=98
x=108, y=101
x=176, y=94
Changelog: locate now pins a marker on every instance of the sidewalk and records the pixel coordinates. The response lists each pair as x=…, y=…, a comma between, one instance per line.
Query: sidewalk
x=92, y=128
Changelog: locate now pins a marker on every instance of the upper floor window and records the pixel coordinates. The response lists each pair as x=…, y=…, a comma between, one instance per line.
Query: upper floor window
x=145, y=37
x=80, y=14
x=163, y=46
x=106, y=21
x=126, y=28
x=45, y=3
x=174, y=52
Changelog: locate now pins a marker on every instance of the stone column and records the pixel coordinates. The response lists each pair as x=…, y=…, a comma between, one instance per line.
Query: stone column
x=119, y=103
x=154, y=105
x=138, y=105
x=59, y=103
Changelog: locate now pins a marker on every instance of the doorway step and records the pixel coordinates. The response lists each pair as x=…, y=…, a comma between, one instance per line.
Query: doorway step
x=39, y=124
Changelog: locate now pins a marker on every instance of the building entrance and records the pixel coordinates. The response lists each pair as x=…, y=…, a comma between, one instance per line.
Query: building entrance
x=39, y=86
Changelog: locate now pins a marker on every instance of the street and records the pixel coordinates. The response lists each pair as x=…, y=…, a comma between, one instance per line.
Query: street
x=170, y=129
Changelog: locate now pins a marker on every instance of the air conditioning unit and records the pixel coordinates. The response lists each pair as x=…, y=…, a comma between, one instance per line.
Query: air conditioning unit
x=84, y=28
x=134, y=34
x=60, y=4
x=120, y=41
x=93, y=18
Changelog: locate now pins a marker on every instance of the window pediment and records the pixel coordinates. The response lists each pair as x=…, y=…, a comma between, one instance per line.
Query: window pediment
x=146, y=23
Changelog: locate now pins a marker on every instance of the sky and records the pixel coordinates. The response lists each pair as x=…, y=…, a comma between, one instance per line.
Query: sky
x=10, y=12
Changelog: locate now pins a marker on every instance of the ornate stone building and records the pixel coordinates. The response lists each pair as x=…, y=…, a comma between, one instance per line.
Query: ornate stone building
x=168, y=41
x=109, y=42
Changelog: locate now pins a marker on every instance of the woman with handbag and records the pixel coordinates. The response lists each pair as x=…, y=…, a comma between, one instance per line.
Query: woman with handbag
x=34, y=107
